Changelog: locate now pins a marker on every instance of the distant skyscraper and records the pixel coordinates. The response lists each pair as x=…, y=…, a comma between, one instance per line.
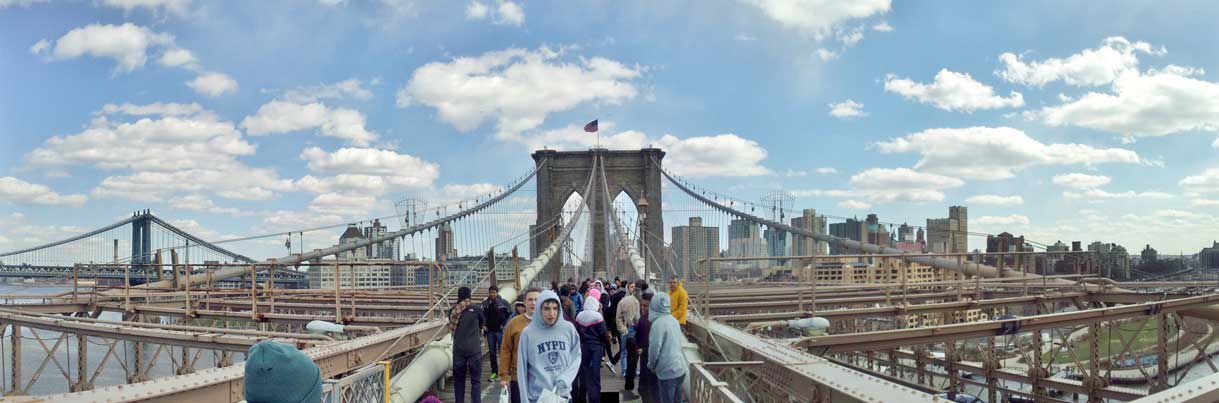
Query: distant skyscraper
x=387, y=249
x=809, y=221
x=949, y=234
x=745, y=240
x=905, y=233
x=444, y=243
x=693, y=242
x=1209, y=257
x=852, y=229
x=1149, y=255
x=776, y=244
x=878, y=234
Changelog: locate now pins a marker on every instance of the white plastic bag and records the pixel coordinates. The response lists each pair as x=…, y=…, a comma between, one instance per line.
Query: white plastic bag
x=505, y=396
x=549, y=396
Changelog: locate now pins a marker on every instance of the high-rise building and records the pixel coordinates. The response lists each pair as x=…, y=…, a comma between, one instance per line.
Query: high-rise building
x=745, y=240
x=1002, y=243
x=806, y=246
x=949, y=235
x=1208, y=258
x=444, y=243
x=1113, y=258
x=878, y=234
x=776, y=244
x=905, y=233
x=1148, y=255
x=693, y=242
x=387, y=249
x=852, y=229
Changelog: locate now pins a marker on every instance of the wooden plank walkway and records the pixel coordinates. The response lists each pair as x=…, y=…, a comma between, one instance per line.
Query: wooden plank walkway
x=610, y=382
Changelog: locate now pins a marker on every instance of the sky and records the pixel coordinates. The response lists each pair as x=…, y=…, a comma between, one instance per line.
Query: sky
x=1055, y=120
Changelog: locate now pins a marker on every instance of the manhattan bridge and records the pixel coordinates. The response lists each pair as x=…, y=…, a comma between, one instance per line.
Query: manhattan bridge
x=154, y=313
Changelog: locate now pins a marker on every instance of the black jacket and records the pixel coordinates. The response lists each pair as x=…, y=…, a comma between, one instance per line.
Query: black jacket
x=496, y=312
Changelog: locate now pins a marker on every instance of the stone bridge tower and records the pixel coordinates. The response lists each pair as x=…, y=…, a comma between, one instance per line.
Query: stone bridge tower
x=630, y=171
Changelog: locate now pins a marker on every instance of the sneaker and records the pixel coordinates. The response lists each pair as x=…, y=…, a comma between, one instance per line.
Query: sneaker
x=494, y=376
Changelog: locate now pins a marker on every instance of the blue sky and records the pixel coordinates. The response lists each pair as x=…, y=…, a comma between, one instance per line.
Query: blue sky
x=1072, y=121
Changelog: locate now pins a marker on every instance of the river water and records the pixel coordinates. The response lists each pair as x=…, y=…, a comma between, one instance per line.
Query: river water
x=52, y=379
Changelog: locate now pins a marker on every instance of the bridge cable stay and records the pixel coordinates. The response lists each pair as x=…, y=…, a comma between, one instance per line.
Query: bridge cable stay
x=434, y=362
x=294, y=259
x=637, y=263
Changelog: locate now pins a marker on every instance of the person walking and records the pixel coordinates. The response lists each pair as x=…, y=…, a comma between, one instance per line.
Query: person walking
x=665, y=357
x=496, y=312
x=512, y=337
x=627, y=317
x=680, y=300
x=465, y=321
x=548, y=353
x=594, y=342
x=643, y=329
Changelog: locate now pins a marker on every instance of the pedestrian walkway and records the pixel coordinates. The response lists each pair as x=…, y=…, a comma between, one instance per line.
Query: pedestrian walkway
x=610, y=382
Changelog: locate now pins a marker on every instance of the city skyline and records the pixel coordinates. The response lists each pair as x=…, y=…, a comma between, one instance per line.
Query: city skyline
x=305, y=119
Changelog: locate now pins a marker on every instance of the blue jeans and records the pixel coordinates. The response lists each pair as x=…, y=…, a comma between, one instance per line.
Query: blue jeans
x=463, y=367
x=494, y=339
x=670, y=390
x=590, y=372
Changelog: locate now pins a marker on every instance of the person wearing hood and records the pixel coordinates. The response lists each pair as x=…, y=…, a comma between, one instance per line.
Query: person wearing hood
x=548, y=356
x=594, y=342
x=466, y=321
x=665, y=357
x=681, y=301
x=279, y=373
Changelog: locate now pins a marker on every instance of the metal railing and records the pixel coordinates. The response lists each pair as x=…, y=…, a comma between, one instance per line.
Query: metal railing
x=705, y=387
x=366, y=385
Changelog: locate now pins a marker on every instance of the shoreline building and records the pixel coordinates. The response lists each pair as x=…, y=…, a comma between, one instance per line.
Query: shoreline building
x=745, y=240
x=375, y=266
x=949, y=235
x=852, y=229
x=806, y=246
x=693, y=242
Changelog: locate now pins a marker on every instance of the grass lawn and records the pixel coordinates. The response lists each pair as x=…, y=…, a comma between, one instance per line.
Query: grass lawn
x=1110, y=343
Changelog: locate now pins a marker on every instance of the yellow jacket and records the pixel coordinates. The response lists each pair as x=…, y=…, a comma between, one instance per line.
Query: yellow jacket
x=681, y=301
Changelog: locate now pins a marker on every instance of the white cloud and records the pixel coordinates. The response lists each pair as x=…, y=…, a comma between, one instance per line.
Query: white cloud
x=744, y=37
x=827, y=170
x=352, y=87
x=213, y=84
x=847, y=109
x=41, y=46
x=15, y=190
x=817, y=18
x=884, y=185
x=1091, y=67
x=850, y=38
x=1206, y=182
x=197, y=202
x=127, y=44
x=854, y=205
x=1014, y=219
x=169, y=148
x=177, y=7
x=284, y=220
x=178, y=57
x=995, y=200
x=883, y=26
x=1204, y=202
x=1100, y=194
x=331, y=3
x=1081, y=181
x=278, y=116
x=365, y=170
x=477, y=10
x=716, y=155
x=1152, y=104
x=19, y=3
x=156, y=108
x=992, y=153
x=505, y=13
x=826, y=54
x=1216, y=143
x=793, y=173
x=184, y=136
x=953, y=91
x=510, y=14
x=517, y=88
x=343, y=204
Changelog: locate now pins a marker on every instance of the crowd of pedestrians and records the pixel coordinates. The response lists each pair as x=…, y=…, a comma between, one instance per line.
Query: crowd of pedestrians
x=560, y=340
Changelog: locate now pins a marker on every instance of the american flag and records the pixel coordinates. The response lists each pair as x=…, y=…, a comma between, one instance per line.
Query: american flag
x=591, y=127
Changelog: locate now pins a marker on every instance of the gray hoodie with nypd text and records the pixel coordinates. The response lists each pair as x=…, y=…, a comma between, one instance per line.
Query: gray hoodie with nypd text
x=548, y=357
